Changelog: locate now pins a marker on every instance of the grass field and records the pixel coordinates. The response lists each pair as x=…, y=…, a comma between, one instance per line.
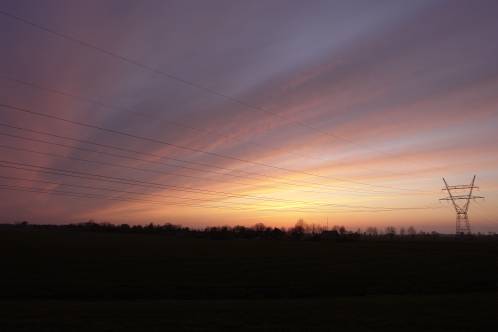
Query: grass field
x=81, y=281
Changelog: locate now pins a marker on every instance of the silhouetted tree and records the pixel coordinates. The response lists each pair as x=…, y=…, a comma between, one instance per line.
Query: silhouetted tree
x=299, y=229
x=372, y=231
x=259, y=227
x=390, y=231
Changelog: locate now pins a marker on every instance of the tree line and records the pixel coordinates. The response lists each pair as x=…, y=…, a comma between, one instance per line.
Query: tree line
x=300, y=231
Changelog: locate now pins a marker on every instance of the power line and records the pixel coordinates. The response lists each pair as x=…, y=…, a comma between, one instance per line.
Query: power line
x=127, y=167
x=121, y=165
x=126, y=181
x=152, y=185
x=188, y=199
x=299, y=183
x=162, y=142
x=114, y=147
x=179, y=79
x=159, y=162
x=103, y=163
x=118, y=180
x=99, y=177
x=163, y=120
x=206, y=90
x=162, y=196
x=486, y=218
x=138, y=114
x=72, y=194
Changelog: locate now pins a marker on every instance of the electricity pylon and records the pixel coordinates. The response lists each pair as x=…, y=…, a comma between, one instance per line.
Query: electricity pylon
x=462, y=216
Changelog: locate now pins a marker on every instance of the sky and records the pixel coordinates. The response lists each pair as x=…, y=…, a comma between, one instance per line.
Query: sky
x=236, y=112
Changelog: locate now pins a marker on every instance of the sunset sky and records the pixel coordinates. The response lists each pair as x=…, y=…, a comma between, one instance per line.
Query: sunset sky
x=237, y=112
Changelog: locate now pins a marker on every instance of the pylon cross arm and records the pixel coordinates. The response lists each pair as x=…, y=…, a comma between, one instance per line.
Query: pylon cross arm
x=466, y=197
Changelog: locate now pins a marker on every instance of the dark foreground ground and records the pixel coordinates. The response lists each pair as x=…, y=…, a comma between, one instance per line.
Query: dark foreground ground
x=54, y=280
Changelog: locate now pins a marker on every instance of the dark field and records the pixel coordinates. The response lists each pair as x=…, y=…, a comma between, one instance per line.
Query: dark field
x=55, y=280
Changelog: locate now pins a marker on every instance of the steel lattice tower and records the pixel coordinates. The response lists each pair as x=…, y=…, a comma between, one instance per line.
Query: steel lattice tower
x=455, y=194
